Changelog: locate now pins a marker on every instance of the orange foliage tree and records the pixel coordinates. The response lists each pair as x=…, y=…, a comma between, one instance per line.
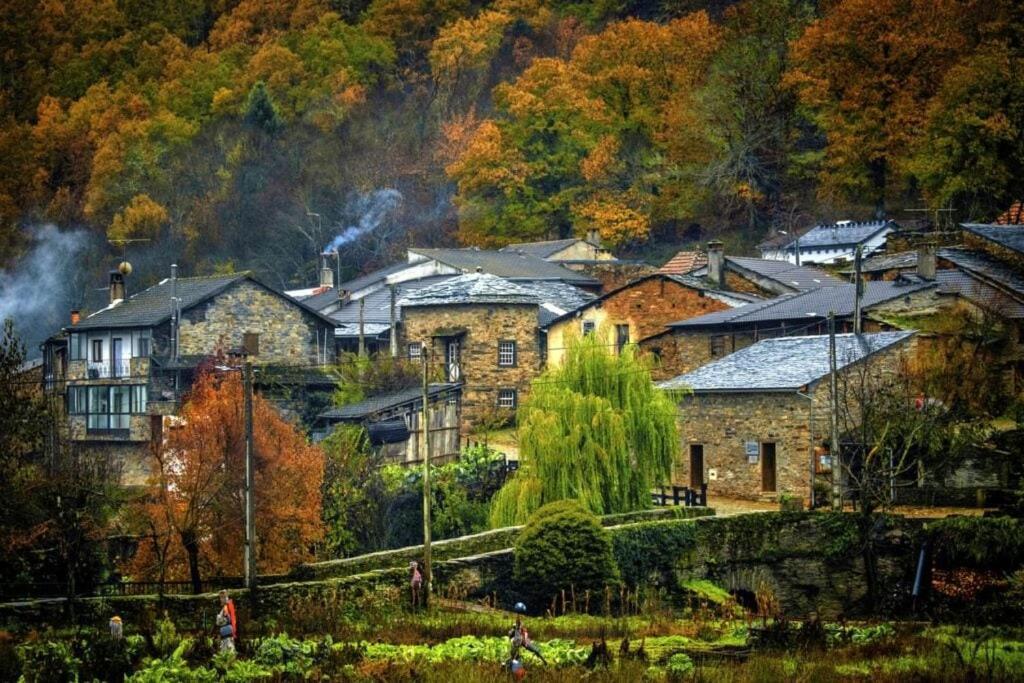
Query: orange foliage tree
x=193, y=517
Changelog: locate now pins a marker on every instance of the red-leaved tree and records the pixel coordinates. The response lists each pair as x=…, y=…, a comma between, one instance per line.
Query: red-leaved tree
x=193, y=516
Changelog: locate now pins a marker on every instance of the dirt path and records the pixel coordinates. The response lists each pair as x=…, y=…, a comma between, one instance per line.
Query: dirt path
x=726, y=507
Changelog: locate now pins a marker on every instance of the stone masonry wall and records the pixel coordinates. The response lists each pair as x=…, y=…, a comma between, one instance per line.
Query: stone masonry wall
x=683, y=352
x=481, y=375
x=723, y=423
x=288, y=334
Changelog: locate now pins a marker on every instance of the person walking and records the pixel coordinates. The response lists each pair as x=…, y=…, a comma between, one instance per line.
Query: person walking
x=415, y=583
x=227, y=623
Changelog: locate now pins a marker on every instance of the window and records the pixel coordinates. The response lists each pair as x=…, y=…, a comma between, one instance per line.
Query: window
x=76, y=347
x=107, y=407
x=415, y=350
x=97, y=350
x=717, y=345
x=507, y=398
x=621, y=337
x=506, y=353
x=588, y=327
x=143, y=347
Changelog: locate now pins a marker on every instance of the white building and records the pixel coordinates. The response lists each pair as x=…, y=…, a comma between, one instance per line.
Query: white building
x=830, y=242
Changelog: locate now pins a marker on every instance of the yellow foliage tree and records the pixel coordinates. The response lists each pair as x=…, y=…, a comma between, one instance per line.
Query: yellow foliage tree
x=143, y=217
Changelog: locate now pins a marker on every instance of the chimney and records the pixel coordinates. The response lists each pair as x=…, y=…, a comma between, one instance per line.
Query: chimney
x=716, y=263
x=594, y=237
x=116, y=286
x=326, y=274
x=926, y=261
x=75, y=316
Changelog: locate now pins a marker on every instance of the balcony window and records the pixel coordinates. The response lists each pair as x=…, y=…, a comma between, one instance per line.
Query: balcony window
x=97, y=350
x=108, y=407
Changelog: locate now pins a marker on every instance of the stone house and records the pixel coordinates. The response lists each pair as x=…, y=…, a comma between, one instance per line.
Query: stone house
x=637, y=310
x=755, y=424
x=482, y=331
x=128, y=364
x=393, y=423
x=831, y=242
x=689, y=344
x=760, y=277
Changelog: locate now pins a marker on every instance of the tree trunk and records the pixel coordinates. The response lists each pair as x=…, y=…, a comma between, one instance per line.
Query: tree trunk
x=191, y=544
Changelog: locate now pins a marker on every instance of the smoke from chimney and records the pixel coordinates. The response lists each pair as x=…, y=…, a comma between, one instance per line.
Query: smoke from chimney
x=372, y=209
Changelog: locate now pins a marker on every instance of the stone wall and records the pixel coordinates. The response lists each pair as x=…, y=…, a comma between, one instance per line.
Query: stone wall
x=287, y=333
x=811, y=562
x=483, y=327
x=613, y=274
x=681, y=352
x=735, y=282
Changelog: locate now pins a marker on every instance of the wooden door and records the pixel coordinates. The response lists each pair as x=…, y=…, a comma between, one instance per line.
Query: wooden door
x=696, y=466
x=768, y=467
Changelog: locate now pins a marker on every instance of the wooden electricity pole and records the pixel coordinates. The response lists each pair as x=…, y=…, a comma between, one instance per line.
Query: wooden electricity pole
x=837, y=475
x=858, y=289
x=425, y=448
x=250, y=476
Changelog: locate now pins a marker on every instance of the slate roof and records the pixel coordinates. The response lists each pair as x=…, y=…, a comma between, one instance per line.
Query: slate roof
x=1008, y=236
x=383, y=402
x=843, y=234
x=377, y=304
x=782, y=363
x=983, y=280
x=901, y=260
x=152, y=306
x=543, y=249
x=797, y=277
x=684, y=262
x=810, y=305
x=472, y=288
x=510, y=265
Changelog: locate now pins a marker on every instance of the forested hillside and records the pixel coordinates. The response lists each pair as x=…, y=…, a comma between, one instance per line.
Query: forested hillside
x=252, y=133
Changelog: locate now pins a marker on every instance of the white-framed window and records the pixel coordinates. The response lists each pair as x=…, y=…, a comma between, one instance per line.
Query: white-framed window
x=588, y=327
x=97, y=350
x=506, y=353
x=507, y=398
x=415, y=350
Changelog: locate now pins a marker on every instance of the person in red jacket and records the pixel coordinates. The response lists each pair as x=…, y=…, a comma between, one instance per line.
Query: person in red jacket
x=227, y=619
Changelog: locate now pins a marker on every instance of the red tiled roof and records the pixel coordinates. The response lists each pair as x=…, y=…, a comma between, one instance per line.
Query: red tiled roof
x=684, y=262
x=1012, y=216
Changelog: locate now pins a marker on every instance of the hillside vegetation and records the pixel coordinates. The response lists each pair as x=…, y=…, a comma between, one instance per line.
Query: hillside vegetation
x=214, y=128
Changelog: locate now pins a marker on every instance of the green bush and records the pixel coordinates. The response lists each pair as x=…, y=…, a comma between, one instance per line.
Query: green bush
x=981, y=542
x=562, y=547
x=48, y=662
x=679, y=667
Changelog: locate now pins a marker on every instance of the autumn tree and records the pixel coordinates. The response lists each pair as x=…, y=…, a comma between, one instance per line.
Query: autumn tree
x=865, y=72
x=193, y=519
x=602, y=140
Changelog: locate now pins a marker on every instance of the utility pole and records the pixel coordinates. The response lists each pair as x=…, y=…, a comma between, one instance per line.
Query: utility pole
x=250, y=501
x=425, y=447
x=858, y=289
x=837, y=475
x=394, y=319
x=362, y=329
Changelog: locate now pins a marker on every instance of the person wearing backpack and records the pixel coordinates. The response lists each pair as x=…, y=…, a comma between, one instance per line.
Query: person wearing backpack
x=227, y=624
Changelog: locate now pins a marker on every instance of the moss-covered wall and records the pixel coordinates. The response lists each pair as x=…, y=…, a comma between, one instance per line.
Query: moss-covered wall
x=812, y=562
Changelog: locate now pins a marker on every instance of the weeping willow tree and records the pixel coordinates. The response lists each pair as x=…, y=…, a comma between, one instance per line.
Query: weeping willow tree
x=594, y=429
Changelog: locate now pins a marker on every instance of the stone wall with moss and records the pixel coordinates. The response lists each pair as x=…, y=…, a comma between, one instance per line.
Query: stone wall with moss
x=811, y=563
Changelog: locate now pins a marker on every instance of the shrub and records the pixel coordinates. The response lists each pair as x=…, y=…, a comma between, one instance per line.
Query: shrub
x=679, y=667
x=562, y=547
x=48, y=662
x=981, y=542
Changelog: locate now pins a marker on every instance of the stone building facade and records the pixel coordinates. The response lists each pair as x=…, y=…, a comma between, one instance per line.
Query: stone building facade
x=481, y=331
x=635, y=311
x=127, y=368
x=755, y=424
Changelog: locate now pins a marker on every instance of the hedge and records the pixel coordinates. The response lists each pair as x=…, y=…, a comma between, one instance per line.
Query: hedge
x=474, y=544
x=982, y=542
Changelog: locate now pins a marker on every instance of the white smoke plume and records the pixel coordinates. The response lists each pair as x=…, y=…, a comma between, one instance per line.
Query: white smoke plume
x=37, y=292
x=372, y=209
